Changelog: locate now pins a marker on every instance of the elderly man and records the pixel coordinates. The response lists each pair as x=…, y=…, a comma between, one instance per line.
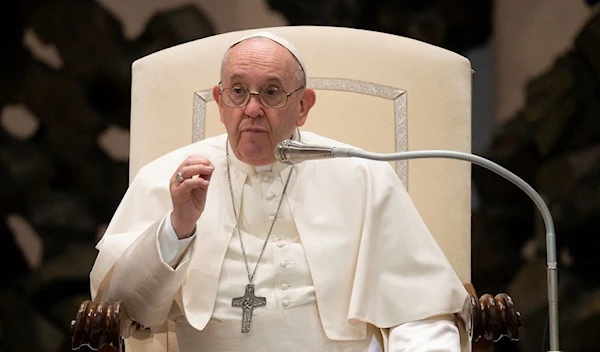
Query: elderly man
x=245, y=253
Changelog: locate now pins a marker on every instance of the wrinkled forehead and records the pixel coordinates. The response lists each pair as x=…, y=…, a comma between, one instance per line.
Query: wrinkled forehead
x=277, y=39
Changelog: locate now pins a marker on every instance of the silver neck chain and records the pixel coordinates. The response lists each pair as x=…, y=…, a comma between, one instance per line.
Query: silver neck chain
x=237, y=223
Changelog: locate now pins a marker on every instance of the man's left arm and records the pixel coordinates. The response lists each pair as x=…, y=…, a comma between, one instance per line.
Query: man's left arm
x=439, y=334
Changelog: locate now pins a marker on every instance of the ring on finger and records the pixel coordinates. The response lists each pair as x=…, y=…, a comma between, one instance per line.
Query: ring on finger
x=179, y=177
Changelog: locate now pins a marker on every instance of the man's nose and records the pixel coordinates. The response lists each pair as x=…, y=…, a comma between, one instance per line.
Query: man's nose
x=254, y=108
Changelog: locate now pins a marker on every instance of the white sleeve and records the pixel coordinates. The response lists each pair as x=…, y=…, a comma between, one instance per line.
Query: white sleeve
x=436, y=334
x=171, y=248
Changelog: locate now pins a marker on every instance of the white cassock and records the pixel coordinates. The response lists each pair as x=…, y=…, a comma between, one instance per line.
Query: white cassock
x=348, y=255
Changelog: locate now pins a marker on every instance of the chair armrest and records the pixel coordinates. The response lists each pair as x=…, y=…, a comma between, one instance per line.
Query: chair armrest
x=489, y=318
x=102, y=326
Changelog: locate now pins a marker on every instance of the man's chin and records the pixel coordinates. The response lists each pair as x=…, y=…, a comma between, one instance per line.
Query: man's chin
x=261, y=153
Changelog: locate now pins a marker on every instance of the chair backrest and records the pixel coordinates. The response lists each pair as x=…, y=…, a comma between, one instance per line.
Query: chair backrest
x=380, y=92
x=377, y=91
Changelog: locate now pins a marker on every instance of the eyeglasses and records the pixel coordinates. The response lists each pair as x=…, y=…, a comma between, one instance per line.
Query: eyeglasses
x=270, y=96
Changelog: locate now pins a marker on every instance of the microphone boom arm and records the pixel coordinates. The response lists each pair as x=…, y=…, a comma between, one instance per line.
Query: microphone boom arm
x=552, y=268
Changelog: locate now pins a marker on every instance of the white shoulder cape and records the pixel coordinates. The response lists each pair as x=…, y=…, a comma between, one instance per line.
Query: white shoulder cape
x=371, y=256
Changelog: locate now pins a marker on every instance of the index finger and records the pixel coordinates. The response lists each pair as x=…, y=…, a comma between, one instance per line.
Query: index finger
x=196, y=160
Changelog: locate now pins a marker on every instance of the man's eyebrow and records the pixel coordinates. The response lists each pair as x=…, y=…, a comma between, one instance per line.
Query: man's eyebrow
x=237, y=76
x=273, y=77
x=268, y=78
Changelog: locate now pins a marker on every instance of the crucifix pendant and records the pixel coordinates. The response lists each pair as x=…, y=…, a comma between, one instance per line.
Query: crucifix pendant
x=248, y=302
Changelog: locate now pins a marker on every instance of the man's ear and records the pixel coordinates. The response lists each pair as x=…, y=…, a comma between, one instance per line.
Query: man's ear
x=308, y=100
x=217, y=98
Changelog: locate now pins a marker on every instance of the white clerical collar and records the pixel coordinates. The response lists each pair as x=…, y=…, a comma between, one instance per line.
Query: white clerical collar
x=276, y=167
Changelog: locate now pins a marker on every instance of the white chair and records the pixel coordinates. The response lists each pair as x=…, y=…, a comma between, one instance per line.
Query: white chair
x=381, y=92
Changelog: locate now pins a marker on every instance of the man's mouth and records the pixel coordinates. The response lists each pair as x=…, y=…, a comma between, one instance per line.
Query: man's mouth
x=254, y=130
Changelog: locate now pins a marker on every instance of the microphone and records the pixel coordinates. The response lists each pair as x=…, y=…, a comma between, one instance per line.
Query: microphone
x=294, y=152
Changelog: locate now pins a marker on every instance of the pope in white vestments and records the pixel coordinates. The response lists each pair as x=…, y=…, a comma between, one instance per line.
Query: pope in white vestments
x=244, y=253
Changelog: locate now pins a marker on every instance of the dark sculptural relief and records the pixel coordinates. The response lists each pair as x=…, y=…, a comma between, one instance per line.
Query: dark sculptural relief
x=66, y=187
x=554, y=144
x=59, y=180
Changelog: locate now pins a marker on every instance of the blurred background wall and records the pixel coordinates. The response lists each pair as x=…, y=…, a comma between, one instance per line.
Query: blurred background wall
x=64, y=120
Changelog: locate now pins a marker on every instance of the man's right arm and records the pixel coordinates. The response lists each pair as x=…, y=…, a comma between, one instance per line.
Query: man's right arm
x=139, y=263
x=144, y=281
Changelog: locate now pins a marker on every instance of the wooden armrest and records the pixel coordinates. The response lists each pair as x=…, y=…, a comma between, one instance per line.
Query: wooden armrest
x=490, y=317
x=102, y=326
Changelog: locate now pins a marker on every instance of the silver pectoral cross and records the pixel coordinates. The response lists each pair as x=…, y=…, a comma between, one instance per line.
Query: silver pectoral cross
x=248, y=302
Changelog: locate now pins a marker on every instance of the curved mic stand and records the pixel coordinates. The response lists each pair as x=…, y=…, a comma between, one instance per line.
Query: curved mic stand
x=552, y=269
x=292, y=152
